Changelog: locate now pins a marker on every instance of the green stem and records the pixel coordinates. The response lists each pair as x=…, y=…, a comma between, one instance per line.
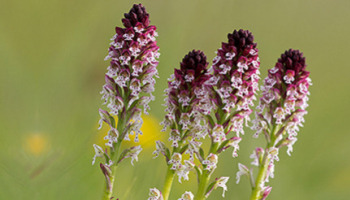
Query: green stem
x=114, y=152
x=168, y=183
x=203, y=184
x=257, y=190
x=169, y=179
x=256, y=193
x=205, y=177
x=109, y=183
x=214, y=148
x=107, y=195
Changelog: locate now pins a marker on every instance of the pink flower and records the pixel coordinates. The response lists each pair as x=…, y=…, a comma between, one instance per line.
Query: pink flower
x=130, y=76
x=129, y=80
x=186, y=94
x=285, y=95
x=233, y=84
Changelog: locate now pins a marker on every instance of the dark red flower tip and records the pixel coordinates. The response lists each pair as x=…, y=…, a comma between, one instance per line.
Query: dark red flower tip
x=292, y=60
x=136, y=14
x=241, y=39
x=195, y=61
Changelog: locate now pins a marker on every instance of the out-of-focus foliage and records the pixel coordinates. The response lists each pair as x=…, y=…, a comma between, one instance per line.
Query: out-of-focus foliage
x=52, y=69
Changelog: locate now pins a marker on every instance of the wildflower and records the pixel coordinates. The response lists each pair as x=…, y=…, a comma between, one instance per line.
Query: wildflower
x=160, y=148
x=98, y=153
x=232, y=88
x=221, y=182
x=155, y=194
x=132, y=67
x=182, y=170
x=280, y=113
x=175, y=137
x=112, y=137
x=210, y=162
x=236, y=74
x=133, y=153
x=129, y=83
x=257, y=156
x=187, y=196
x=106, y=117
x=186, y=89
x=218, y=133
x=234, y=143
x=175, y=160
x=243, y=170
x=189, y=165
x=185, y=97
x=266, y=192
x=288, y=84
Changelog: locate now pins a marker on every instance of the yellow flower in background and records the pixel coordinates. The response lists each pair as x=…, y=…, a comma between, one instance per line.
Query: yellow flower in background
x=35, y=143
x=150, y=133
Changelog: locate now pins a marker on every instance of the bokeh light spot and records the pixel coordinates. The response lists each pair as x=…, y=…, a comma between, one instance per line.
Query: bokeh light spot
x=35, y=144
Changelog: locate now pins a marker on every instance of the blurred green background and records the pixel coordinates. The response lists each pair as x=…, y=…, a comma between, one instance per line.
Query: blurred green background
x=52, y=69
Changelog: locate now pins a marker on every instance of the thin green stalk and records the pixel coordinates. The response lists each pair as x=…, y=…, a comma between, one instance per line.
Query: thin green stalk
x=168, y=183
x=109, y=186
x=257, y=190
x=214, y=148
x=203, y=184
x=169, y=179
x=256, y=193
x=108, y=189
x=205, y=177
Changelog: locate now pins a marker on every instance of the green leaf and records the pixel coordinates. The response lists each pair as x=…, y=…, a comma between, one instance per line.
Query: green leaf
x=201, y=153
x=210, y=189
x=183, y=149
x=199, y=172
x=222, y=146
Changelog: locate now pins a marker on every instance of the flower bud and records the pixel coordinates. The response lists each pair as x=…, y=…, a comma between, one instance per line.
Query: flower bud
x=221, y=182
x=242, y=170
x=155, y=194
x=187, y=196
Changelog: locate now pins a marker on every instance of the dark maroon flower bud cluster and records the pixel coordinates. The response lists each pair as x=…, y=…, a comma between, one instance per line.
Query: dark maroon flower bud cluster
x=136, y=16
x=241, y=39
x=193, y=68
